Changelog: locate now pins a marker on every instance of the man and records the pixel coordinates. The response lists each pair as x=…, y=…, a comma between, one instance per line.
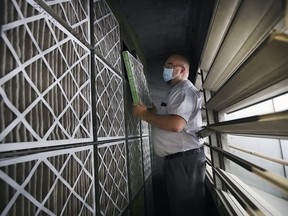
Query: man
x=174, y=126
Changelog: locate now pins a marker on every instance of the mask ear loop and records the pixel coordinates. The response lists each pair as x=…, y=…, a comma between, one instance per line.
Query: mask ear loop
x=175, y=76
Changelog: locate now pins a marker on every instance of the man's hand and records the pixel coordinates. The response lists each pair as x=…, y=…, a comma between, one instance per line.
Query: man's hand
x=154, y=108
x=139, y=110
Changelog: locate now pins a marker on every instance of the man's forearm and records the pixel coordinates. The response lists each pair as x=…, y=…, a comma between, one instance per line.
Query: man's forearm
x=171, y=123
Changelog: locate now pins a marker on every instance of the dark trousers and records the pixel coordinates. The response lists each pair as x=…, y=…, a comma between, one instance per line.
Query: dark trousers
x=185, y=175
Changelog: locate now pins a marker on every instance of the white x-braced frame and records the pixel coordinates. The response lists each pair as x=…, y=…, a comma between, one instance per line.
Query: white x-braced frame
x=135, y=166
x=43, y=158
x=76, y=13
x=146, y=157
x=145, y=128
x=110, y=102
x=132, y=122
x=107, y=34
x=113, y=178
x=83, y=91
x=113, y=130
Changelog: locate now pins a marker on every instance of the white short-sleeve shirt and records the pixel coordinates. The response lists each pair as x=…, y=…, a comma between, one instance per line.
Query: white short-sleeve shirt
x=185, y=101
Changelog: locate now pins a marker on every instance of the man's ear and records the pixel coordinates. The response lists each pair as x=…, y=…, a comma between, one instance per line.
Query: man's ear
x=182, y=70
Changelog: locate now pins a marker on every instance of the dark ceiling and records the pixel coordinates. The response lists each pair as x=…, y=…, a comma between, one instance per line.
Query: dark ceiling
x=164, y=27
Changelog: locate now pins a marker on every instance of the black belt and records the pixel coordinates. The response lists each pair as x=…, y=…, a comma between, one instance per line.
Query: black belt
x=181, y=154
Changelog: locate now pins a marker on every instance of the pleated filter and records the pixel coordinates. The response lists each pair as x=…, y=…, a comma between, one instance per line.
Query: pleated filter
x=107, y=35
x=137, y=80
x=110, y=102
x=113, y=178
x=51, y=183
x=44, y=80
x=45, y=103
x=135, y=169
x=146, y=157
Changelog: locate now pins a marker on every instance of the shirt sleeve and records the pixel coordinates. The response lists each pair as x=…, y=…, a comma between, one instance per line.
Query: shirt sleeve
x=182, y=103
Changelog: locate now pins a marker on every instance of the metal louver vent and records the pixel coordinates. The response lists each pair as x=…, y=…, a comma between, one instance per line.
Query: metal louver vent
x=248, y=28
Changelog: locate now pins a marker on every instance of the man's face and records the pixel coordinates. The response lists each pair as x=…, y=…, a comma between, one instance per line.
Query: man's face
x=174, y=64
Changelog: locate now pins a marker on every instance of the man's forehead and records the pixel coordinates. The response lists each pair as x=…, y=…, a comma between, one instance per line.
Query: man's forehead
x=172, y=60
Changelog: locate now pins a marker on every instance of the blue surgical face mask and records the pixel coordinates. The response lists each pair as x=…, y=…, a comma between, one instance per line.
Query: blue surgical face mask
x=167, y=74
